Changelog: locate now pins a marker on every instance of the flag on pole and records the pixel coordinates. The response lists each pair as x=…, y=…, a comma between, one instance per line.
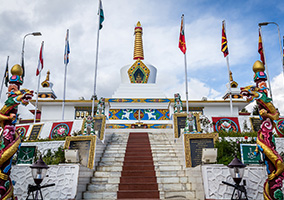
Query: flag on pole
x=224, y=44
x=260, y=47
x=40, y=60
x=23, y=67
x=283, y=51
x=181, y=43
x=101, y=14
x=67, y=48
x=6, y=75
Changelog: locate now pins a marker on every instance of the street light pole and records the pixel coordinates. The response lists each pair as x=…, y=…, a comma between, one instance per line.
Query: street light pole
x=280, y=45
x=23, y=47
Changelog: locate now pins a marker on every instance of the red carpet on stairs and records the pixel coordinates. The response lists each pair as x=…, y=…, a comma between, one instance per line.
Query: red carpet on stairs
x=138, y=178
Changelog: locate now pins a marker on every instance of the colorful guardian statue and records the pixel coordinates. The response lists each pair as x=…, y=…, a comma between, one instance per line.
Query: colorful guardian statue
x=9, y=139
x=265, y=139
x=101, y=106
x=178, y=103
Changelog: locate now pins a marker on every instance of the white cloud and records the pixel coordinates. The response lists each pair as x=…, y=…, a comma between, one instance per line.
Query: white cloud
x=207, y=71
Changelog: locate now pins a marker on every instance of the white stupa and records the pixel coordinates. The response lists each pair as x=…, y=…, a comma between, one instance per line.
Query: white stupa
x=139, y=79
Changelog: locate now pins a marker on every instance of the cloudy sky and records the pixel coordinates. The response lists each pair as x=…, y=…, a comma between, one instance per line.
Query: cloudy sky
x=160, y=19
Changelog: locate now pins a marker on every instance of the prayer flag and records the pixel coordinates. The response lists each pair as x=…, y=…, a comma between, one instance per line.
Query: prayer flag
x=40, y=60
x=67, y=48
x=224, y=44
x=283, y=51
x=181, y=44
x=101, y=14
x=6, y=75
x=260, y=47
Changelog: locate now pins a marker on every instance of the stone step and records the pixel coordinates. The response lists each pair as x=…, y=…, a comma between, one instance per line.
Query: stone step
x=109, y=168
x=156, y=163
x=189, y=195
x=100, y=187
x=139, y=166
x=171, y=179
x=138, y=186
x=174, y=173
x=99, y=195
x=107, y=174
x=175, y=187
x=115, y=180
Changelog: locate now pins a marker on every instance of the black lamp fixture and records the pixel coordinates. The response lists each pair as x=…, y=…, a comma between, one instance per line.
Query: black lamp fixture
x=236, y=168
x=39, y=169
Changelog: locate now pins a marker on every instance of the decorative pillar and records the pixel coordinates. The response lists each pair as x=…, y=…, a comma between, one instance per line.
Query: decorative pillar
x=10, y=140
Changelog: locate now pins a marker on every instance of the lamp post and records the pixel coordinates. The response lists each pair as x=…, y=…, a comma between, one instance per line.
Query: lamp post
x=23, y=47
x=39, y=169
x=280, y=45
x=236, y=168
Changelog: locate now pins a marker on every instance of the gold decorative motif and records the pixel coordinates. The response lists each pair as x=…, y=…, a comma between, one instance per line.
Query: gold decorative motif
x=92, y=139
x=46, y=83
x=258, y=67
x=138, y=44
x=188, y=137
x=17, y=70
x=138, y=72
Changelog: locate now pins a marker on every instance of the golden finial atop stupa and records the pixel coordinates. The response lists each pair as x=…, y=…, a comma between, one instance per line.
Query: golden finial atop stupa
x=231, y=76
x=138, y=45
x=258, y=66
x=46, y=82
x=233, y=83
x=17, y=70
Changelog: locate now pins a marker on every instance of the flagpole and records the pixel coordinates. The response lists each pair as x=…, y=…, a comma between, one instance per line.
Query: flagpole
x=66, y=61
x=2, y=84
x=230, y=88
x=186, y=84
x=64, y=91
x=96, y=64
x=265, y=65
x=224, y=49
x=38, y=82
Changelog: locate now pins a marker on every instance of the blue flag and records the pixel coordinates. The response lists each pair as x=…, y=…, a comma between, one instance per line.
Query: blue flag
x=67, y=48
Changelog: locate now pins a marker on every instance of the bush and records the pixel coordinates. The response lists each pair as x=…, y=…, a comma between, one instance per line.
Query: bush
x=227, y=149
x=54, y=158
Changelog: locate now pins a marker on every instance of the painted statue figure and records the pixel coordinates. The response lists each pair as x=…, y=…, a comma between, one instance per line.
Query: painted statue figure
x=101, y=106
x=9, y=139
x=265, y=139
x=178, y=103
x=88, y=126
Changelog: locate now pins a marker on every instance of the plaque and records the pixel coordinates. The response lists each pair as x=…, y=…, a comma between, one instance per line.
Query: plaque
x=26, y=155
x=255, y=123
x=180, y=121
x=86, y=146
x=35, y=131
x=193, y=145
x=247, y=154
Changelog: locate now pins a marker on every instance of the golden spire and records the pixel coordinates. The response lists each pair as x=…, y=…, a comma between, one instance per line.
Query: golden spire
x=138, y=45
x=46, y=82
x=231, y=76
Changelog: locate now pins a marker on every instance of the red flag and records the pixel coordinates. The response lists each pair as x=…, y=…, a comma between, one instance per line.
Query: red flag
x=181, y=43
x=260, y=47
x=40, y=60
x=224, y=44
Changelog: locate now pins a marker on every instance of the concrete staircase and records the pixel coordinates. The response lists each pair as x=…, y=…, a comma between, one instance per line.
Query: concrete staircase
x=174, y=181
x=138, y=178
